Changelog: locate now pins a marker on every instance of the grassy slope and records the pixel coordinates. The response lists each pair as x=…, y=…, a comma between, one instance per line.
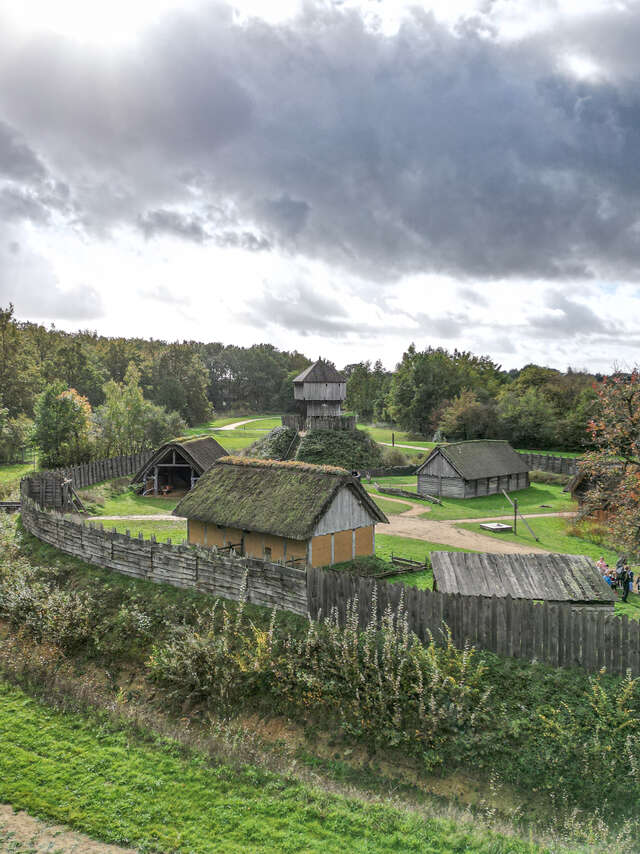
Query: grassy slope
x=14, y=471
x=391, y=508
x=162, y=530
x=111, y=785
x=529, y=501
x=387, y=544
x=130, y=504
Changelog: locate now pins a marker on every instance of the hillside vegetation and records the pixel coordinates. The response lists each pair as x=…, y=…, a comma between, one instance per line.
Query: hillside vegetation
x=553, y=737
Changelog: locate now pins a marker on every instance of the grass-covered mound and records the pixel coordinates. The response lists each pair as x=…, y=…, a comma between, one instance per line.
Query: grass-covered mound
x=279, y=444
x=350, y=449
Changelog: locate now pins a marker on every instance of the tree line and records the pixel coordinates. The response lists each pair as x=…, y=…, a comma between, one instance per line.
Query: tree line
x=457, y=395
x=81, y=394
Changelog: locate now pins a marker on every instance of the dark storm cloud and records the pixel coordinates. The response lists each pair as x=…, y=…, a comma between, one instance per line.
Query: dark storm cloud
x=17, y=160
x=427, y=150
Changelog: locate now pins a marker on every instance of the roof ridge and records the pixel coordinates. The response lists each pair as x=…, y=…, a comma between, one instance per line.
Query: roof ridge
x=296, y=465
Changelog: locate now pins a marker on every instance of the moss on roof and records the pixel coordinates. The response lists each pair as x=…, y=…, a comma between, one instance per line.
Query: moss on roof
x=270, y=497
x=480, y=458
x=200, y=452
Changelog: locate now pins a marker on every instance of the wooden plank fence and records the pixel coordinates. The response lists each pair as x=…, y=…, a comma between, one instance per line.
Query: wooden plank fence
x=557, y=634
x=46, y=487
x=269, y=584
x=548, y=462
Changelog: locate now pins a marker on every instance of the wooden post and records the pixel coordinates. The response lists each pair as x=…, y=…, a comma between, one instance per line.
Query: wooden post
x=515, y=515
x=393, y=440
x=155, y=480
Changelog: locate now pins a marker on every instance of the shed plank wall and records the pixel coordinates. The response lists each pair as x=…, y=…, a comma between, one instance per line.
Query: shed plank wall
x=344, y=513
x=323, y=391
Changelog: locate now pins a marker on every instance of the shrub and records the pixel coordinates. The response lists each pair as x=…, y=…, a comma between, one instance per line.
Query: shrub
x=350, y=449
x=279, y=444
x=538, y=476
x=394, y=457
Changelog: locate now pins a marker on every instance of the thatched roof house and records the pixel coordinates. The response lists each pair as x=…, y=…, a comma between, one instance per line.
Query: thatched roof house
x=471, y=469
x=177, y=465
x=317, y=515
x=546, y=577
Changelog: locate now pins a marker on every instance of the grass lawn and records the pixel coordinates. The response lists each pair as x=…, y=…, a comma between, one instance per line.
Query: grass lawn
x=387, y=544
x=553, y=537
x=529, y=501
x=391, y=508
x=14, y=471
x=163, y=530
x=126, y=503
x=116, y=787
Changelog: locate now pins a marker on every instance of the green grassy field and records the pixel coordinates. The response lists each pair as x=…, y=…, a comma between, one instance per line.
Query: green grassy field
x=529, y=501
x=391, y=508
x=14, y=471
x=163, y=530
x=553, y=536
x=413, y=549
x=128, y=503
x=114, y=787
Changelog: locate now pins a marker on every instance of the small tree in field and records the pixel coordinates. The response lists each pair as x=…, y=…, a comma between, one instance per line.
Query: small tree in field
x=62, y=426
x=614, y=466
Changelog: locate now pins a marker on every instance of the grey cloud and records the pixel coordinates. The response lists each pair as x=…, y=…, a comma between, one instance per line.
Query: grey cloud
x=575, y=318
x=425, y=151
x=447, y=326
x=162, y=293
x=172, y=223
x=17, y=160
x=475, y=297
x=27, y=280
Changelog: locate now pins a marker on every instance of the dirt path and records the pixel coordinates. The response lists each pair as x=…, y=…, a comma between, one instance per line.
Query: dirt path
x=23, y=834
x=238, y=424
x=446, y=533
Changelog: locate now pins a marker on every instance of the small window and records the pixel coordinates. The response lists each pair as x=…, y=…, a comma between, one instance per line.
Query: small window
x=267, y=553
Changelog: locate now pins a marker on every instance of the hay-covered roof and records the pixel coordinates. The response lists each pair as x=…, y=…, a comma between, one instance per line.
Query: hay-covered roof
x=320, y=372
x=548, y=577
x=286, y=499
x=200, y=452
x=480, y=458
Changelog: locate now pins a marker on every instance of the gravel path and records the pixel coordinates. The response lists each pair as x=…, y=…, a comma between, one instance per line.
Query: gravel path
x=24, y=834
x=238, y=424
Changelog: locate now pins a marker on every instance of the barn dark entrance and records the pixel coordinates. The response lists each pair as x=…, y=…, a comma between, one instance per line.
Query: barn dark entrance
x=172, y=474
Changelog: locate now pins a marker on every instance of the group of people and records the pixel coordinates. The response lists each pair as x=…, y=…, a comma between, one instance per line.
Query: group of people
x=620, y=578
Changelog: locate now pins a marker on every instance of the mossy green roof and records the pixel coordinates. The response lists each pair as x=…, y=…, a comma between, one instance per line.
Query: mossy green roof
x=480, y=458
x=286, y=499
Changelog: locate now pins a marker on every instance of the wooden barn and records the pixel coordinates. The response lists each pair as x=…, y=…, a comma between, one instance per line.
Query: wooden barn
x=573, y=579
x=282, y=511
x=176, y=466
x=471, y=469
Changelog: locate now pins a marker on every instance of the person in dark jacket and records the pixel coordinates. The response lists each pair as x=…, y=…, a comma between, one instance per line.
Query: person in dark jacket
x=624, y=578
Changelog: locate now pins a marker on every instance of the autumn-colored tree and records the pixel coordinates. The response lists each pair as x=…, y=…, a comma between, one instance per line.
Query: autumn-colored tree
x=613, y=468
x=62, y=429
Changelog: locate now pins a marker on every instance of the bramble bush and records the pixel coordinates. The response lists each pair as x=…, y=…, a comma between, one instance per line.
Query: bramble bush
x=382, y=685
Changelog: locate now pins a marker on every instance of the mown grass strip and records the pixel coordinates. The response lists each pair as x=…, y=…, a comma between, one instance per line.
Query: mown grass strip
x=110, y=785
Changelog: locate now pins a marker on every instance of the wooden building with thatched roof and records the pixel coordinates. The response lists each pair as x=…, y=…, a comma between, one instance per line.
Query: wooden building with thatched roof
x=176, y=466
x=282, y=511
x=471, y=469
x=573, y=579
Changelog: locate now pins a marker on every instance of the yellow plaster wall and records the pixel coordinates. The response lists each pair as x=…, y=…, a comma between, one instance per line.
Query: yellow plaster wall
x=342, y=546
x=214, y=535
x=254, y=545
x=296, y=548
x=321, y=550
x=364, y=541
x=195, y=532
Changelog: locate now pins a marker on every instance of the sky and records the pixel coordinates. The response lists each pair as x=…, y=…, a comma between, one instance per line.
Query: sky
x=340, y=178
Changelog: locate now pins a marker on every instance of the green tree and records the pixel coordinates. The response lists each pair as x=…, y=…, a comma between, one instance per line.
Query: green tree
x=528, y=419
x=466, y=417
x=180, y=382
x=62, y=429
x=128, y=423
x=79, y=366
x=367, y=389
x=19, y=376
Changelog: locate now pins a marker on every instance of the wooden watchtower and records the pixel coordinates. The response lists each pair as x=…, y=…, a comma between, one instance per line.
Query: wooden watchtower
x=323, y=389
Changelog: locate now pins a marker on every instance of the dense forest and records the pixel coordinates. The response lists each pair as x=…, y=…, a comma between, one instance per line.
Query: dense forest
x=79, y=394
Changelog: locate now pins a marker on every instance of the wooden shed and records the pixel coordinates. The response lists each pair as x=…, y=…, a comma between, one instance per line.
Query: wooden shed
x=571, y=579
x=282, y=511
x=176, y=466
x=472, y=469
